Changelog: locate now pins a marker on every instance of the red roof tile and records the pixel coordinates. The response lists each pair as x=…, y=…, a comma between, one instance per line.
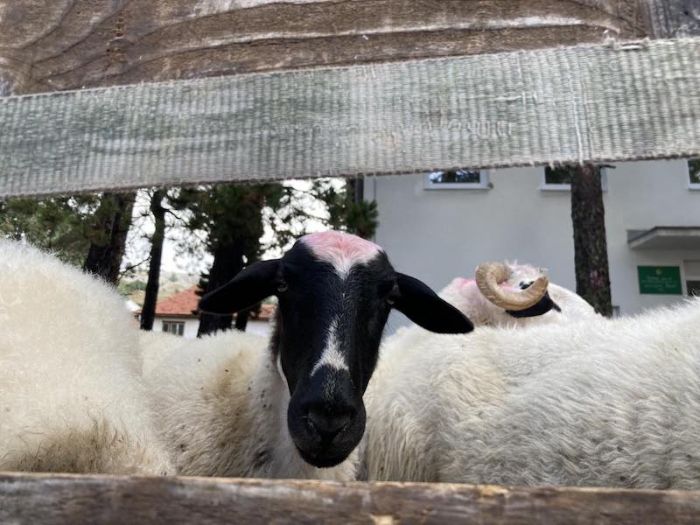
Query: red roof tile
x=180, y=304
x=183, y=303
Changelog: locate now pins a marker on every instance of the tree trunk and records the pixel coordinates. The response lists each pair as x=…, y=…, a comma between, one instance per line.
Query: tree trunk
x=152, y=285
x=355, y=190
x=590, y=244
x=242, y=318
x=108, y=238
x=228, y=261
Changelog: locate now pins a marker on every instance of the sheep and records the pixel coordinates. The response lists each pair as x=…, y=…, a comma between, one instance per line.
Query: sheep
x=177, y=368
x=70, y=395
x=511, y=294
x=591, y=403
x=228, y=406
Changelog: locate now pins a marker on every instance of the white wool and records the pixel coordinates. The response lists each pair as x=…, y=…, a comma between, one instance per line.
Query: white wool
x=592, y=403
x=221, y=405
x=70, y=394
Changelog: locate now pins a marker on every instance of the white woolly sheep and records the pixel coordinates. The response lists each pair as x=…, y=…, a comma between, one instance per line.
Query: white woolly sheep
x=511, y=294
x=603, y=403
x=70, y=395
x=229, y=408
x=182, y=376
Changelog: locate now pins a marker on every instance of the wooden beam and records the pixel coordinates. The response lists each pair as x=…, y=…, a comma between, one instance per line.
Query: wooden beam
x=586, y=103
x=675, y=18
x=70, y=44
x=40, y=499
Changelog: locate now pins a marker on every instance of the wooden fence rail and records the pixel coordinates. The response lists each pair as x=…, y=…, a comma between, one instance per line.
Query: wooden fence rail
x=41, y=499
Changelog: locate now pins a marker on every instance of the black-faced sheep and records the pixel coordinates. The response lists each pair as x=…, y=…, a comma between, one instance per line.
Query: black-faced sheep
x=229, y=407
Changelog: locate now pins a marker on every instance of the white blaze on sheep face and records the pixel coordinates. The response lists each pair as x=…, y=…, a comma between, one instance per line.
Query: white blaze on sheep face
x=331, y=355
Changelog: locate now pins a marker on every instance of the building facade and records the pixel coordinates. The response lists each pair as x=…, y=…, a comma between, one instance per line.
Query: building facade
x=177, y=314
x=437, y=227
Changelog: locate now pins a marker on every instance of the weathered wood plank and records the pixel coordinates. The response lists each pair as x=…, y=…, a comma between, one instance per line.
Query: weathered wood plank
x=586, y=103
x=40, y=499
x=674, y=18
x=69, y=44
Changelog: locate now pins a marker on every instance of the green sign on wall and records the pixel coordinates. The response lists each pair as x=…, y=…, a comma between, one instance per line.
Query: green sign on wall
x=660, y=280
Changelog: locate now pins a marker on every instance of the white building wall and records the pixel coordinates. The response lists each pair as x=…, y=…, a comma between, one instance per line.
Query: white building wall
x=642, y=195
x=436, y=235
x=262, y=328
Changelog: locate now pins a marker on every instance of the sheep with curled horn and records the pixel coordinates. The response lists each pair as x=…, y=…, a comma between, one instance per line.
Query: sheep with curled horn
x=511, y=294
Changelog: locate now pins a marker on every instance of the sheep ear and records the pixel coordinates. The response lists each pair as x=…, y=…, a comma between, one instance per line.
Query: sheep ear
x=249, y=287
x=542, y=307
x=423, y=306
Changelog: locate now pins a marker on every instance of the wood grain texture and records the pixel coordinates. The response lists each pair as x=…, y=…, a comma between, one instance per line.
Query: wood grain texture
x=69, y=44
x=40, y=499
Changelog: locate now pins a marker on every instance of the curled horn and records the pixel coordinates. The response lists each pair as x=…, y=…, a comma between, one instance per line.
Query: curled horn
x=490, y=275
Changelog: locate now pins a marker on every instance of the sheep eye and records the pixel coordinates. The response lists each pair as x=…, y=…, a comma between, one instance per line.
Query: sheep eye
x=392, y=294
x=282, y=287
x=385, y=288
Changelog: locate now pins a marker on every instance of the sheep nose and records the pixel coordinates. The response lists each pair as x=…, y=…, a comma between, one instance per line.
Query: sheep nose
x=328, y=423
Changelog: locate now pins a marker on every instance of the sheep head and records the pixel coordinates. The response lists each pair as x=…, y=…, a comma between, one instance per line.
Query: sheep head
x=335, y=292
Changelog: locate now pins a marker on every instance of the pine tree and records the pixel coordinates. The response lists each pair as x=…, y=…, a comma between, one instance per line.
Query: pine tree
x=590, y=243
x=158, y=211
x=107, y=234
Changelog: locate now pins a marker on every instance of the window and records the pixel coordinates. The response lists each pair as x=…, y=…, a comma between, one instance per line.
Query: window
x=461, y=179
x=560, y=175
x=174, y=327
x=693, y=288
x=692, y=277
x=694, y=174
x=559, y=179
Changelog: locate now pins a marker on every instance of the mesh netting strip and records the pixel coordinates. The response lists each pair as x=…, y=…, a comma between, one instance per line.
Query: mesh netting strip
x=595, y=103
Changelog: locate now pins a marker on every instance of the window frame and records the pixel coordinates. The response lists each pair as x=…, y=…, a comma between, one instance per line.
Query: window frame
x=544, y=186
x=483, y=184
x=692, y=186
x=688, y=275
x=178, y=325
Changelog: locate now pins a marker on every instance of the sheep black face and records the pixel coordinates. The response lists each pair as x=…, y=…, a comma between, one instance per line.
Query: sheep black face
x=335, y=293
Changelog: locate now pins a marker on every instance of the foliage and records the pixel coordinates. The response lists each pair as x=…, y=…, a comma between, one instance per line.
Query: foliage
x=224, y=214
x=129, y=287
x=347, y=210
x=58, y=224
